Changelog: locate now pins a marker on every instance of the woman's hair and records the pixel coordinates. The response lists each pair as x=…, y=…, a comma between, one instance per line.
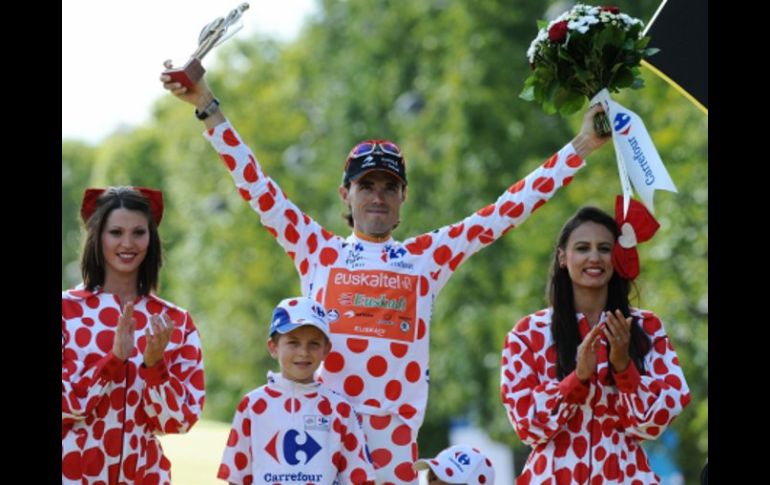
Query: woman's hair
x=92, y=261
x=564, y=325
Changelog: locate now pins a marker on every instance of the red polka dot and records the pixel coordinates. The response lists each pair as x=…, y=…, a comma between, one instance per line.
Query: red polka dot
x=540, y=464
x=224, y=471
x=334, y=362
x=407, y=411
x=93, y=461
x=250, y=172
x=611, y=467
x=344, y=409
x=486, y=211
x=312, y=243
x=398, y=350
x=659, y=366
x=70, y=466
x=511, y=209
x=291, y=234
x=71, y=309
x=674, y=381
x=241, y=460
x=358, y=476
x=580, y=446
x=377, y=366
x=551, y=162
x=82, y=337
x=424, y=286
x=232, y=440
x=661, y=417
x=393, y=390
x=357, y=345
x=351, y=442
x=405, y=472
x=104, y=340
x=448, y=471
x=574, y=161
x=380, y=422
x=259, y=406
x=442, y=255
x=600, y=453
x=325, y=407
x=228, y=160
x=412, y=372
x=109, y=317
x=421, y=329
x=289, y=403
x=381, y=457
x=563, y=475
x=328, y=256
x=543, y=184
x=651, y=325
x=303, y=267
x=562, y=444
x=229, y=138
x=402, y=435
x=266, y=202
x=353, y=386
x=292, y=216
x=538, y=204
x=456, y=231
x=516, y=187
x=99, y=429
x=339, y=461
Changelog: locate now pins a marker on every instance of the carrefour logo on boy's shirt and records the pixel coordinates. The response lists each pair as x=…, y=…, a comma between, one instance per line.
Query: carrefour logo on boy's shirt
x=290, y=447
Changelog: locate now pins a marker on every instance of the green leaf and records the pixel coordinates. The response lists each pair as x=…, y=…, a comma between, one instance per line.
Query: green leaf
x=572, y=104
x=651, y=51
x=528, y=93
x=623, y=78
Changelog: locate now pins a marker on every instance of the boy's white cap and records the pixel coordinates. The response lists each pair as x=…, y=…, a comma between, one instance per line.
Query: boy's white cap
x=294, y=312
x=460, y=464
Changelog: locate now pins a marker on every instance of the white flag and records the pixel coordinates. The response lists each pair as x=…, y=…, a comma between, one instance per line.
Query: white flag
x=638, y=160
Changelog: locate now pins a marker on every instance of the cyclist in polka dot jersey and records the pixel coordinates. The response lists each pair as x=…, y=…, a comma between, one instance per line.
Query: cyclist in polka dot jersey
x=582, y=383
x=294, y=430
x=131, y=362
x=380, y=290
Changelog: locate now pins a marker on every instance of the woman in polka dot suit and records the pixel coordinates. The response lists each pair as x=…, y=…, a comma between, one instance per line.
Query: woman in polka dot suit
x=586, y=380
x=131, y=362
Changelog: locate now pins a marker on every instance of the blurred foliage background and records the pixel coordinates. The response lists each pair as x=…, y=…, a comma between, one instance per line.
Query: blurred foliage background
x=441, y=78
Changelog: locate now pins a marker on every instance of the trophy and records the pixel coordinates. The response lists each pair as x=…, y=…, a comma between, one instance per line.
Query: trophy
x=211, y=36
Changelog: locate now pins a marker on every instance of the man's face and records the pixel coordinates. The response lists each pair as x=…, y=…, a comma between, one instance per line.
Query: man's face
x=375, y=202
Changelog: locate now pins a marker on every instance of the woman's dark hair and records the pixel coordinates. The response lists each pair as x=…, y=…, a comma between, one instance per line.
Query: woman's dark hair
x=564, y=325
x=92, y=261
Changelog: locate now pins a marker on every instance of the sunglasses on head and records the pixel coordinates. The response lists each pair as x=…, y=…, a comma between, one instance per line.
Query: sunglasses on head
x=367, y=147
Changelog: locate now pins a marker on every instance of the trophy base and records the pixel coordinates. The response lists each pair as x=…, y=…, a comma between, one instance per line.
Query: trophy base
x=189, y=75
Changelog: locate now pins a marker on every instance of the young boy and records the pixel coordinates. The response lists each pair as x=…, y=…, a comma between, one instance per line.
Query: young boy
x=458, y=464
x=293, y=430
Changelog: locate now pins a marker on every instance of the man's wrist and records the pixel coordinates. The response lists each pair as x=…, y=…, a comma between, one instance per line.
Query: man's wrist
x=211, y=107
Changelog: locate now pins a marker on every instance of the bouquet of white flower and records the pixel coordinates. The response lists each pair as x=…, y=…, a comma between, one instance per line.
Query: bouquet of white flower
x=583, y=51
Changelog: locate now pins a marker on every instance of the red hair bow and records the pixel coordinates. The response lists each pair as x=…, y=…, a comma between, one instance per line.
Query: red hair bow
x=155, y=197
x=638, y=226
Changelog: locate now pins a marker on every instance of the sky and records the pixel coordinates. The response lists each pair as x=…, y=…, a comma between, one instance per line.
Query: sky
x=113, y=51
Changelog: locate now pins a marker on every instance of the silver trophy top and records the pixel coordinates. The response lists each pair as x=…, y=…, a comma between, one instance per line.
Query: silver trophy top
x=215, y=32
